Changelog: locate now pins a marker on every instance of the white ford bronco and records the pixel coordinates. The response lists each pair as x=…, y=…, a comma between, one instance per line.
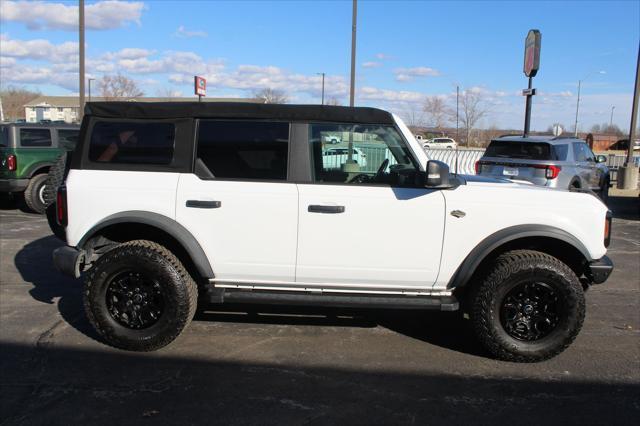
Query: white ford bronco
x=165, y=203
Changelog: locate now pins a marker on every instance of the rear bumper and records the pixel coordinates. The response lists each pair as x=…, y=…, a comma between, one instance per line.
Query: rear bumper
x=599, y=270
x=13, y=185
x=68, y=260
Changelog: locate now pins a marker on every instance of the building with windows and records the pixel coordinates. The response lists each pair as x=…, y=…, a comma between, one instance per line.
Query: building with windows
x=65, y=108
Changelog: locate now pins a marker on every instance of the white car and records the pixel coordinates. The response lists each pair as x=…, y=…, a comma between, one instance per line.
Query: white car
x=440, y=143
x=163, y=204
x=334, y=158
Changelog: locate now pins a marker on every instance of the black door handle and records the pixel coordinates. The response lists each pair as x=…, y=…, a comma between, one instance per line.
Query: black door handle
x=313, y=208
x=200, y=204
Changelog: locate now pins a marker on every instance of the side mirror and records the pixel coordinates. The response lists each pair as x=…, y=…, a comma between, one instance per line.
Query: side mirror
x=437, y=175
x=601, y=159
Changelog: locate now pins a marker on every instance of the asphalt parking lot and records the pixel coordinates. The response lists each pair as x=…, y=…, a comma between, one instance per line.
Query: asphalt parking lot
x=253, y=365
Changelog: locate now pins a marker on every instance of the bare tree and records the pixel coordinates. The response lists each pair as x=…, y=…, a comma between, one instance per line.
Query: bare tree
x=118, y=86
x=165, y=92
x=13, y=100
x=437, y=111
x=333, y=101
x=472, y=110
x=412, y=114
x=271, y=96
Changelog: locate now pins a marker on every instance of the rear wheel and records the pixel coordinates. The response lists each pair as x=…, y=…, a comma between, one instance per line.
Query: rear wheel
x=528, y=308
x=138, y=296
x=34, y=194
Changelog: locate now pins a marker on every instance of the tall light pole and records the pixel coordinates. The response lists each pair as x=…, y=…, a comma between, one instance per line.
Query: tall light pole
x=628, y=174
x=354, y=19
x=611, y=120
x=322, y=74
x=90, y=80
x=457, y=112
x=81, y=47
x=578, y=101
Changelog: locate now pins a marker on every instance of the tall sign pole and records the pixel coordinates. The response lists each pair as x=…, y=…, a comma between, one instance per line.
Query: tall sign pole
x=81, y=48
x=354, y=19
x=531, y=65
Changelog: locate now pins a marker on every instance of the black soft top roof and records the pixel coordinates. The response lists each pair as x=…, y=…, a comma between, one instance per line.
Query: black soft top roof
x=238, y=110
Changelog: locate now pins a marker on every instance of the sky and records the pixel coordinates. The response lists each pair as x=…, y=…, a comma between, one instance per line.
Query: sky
x=406, y=51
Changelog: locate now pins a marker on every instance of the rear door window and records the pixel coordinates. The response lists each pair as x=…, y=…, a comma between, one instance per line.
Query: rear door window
x=520, y=150
x=35, y=137
x=252, y=150
x=68, y=138
x=561, y=151
x=132, y=142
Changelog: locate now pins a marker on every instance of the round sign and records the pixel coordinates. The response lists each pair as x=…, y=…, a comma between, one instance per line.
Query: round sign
x=557, y=130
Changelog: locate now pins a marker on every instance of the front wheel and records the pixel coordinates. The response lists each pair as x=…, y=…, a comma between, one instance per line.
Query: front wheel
x=138, y=296
x=529, y=307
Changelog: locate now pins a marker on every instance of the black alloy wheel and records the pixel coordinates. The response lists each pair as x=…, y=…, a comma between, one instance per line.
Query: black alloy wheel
x=135, y=300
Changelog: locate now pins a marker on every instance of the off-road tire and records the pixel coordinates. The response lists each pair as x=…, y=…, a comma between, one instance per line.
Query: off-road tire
x=179, y=290
x=55, y=178
x=508, y=271
x=32, y=195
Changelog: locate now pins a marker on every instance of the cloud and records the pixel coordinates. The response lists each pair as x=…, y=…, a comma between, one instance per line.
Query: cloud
x=128, y=53
x=375, y=94
x=103, y=15
x=382, y=56
x=182, y=32
x=372, y=64
x=40, y=49
x=409, y=74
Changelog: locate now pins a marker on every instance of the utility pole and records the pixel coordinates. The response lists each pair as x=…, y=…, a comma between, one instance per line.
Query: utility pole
x=611, y=120
x=577, y=108
x=457, y=112
x=354, y=19
x=90, y=80
x=322, y=74
x=628, y=175
x=81, y=47
x=351, y=166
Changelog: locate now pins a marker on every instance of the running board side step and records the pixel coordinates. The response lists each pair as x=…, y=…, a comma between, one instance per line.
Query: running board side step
x=439, y=303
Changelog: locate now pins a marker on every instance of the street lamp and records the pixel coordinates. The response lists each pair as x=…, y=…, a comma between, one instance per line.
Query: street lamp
x=90, y=80
x=578, y=102
x=322, y=74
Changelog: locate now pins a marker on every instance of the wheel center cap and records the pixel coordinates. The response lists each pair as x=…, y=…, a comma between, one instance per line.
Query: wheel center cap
x=137, y=298
x=528, y=309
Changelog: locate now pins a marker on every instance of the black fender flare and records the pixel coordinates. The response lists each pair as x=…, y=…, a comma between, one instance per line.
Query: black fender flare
x=165, y=224
x=473, y=260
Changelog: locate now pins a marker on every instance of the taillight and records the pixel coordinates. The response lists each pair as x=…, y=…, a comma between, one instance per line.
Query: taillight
x=607, y=229
x=12, y=163
x=61, y=206
x=478, y=167
x=550, y=172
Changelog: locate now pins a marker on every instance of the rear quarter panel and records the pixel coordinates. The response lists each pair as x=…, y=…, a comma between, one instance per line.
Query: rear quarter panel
x=93, y=195
x=490, y=208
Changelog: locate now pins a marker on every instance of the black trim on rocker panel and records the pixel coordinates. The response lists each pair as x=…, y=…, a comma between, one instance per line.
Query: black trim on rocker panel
x=167, y=225
x=479, y=253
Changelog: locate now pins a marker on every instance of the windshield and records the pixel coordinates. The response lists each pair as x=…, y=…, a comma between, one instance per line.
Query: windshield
x=524, y=150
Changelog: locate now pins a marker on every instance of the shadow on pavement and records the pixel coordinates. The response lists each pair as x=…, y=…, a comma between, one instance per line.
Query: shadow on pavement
x=625, y=207
x=444, y=329
x=57, y=385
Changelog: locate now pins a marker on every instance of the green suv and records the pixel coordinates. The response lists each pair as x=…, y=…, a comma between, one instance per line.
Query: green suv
x=27, y=151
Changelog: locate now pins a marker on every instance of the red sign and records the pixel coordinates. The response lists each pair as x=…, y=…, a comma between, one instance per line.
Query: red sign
x=200, y=85
x=532, y=53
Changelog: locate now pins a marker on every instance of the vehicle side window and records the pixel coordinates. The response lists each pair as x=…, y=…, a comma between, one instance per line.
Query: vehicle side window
x=35, y=137
x=4, y=136
x=253, y=150
x=561, y=152
x=68, y=138
x=582, y=152
x=132, y=142
x=367, y=153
